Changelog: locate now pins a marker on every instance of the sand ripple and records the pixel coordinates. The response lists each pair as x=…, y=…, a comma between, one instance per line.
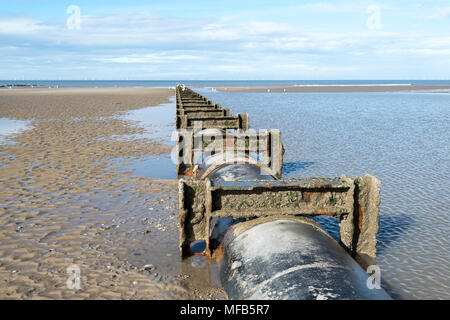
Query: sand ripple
x=64, y=203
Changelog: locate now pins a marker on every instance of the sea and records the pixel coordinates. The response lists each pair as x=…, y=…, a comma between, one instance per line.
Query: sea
x=208, y=83
x=402, y=138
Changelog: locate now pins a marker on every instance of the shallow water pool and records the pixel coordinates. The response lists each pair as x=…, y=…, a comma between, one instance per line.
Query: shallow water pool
x=9, y=127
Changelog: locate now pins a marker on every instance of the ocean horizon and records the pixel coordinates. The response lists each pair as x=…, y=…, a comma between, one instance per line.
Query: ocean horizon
x=214, y=83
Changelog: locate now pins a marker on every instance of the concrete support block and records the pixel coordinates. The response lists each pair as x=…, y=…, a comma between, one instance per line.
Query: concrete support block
x=368, y=218
x=346, y=231
x=358, y=229
x=243, y=121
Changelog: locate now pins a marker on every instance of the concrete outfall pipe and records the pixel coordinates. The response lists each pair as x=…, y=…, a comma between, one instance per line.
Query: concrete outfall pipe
x=290, y=259
x=285, y=258
x=231, y=172
x=267, y=249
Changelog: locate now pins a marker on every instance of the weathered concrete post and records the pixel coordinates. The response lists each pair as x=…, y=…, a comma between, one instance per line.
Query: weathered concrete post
x=359, y=228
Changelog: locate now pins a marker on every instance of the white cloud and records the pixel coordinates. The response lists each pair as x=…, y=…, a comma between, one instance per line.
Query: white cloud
x=414, y=51
x=218, y=45
x=22, y=26
x=442, y=13
x=232, y=68
x=437, y=42
x=331, y=7
x=149, y=58
x=425, y=51
x=440, y=52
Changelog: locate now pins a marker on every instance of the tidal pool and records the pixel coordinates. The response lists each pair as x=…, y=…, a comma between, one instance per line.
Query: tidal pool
x=158, y=123
x=9, y=127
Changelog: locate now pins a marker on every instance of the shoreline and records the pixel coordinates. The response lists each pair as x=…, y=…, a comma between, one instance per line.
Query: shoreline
x=333, y=88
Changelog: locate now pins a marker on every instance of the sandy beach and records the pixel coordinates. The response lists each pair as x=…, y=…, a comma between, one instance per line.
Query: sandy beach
x=335, y=88
x=64, y=203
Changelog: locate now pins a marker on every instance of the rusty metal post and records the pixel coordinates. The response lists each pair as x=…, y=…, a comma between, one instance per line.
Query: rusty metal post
x=358, y=230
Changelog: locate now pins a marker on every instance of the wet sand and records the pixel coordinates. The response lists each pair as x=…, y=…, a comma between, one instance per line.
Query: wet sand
x=65, y=203
x=334, y=88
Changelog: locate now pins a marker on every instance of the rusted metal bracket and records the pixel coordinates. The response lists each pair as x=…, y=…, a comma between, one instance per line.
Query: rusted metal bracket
x=224, y=122
x=204, y=112
x=354, y=201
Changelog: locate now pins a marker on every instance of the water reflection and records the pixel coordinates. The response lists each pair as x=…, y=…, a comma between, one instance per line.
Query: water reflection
x=156, y=167
x=158, y=121
x=10, y=127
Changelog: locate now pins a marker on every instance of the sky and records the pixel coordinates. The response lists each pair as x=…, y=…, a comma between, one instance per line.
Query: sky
x=224, y=40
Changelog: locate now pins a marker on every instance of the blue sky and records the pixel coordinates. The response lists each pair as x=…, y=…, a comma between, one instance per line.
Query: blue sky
x=225, y=40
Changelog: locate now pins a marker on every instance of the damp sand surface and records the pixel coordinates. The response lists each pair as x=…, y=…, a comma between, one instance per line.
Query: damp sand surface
x=71, y=193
